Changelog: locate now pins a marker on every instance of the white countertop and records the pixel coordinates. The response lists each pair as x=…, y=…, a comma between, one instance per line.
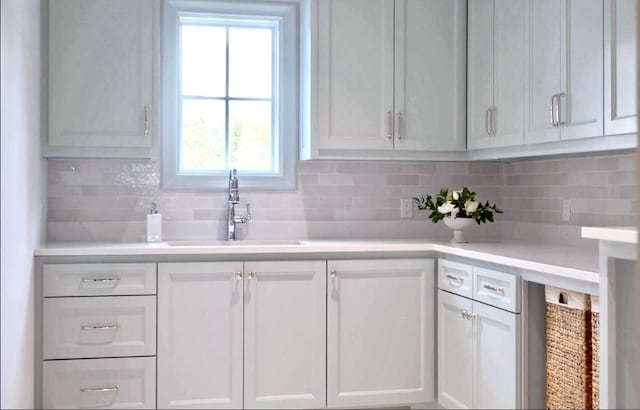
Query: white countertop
x=626, y=234
x=566, y=262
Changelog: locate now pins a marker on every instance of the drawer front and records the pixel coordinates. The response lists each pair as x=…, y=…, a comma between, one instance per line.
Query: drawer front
x=455, y=277
x=89, y=279
x=99, y=327
x=99, y=383
x=496, y=288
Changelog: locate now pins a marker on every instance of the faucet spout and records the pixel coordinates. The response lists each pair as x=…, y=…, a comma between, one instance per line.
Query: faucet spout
x=234, y=198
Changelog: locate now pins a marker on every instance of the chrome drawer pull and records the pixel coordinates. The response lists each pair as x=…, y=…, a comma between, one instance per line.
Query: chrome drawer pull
x=493, y=288
x=101, y=280
x=455, y=279
x=104, y=327
x=99, y=389
x=468, y=315
x=334, y=274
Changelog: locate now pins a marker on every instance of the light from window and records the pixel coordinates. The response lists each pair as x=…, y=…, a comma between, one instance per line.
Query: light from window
x=230, y=93
x=228, y=109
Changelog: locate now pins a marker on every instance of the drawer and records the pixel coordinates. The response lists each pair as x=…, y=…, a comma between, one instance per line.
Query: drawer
x=496, y=288
x=110, y=326
x=89, y=279
x=455, y=277
x=99, y=383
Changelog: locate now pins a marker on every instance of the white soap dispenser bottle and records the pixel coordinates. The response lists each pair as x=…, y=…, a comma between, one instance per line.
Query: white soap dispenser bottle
x=154, y=224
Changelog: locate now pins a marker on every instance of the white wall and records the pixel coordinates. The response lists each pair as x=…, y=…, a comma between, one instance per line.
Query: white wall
x=22, y=193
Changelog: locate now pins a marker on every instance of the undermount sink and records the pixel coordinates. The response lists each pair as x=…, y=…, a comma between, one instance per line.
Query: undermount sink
x=258, y=242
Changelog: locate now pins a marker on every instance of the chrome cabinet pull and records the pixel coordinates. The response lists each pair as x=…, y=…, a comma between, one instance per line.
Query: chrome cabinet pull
x=453, y=279
x=101, y=280
x=468, y=315
x=239, y=276
x=146, y=120
x=552, y=110
x=494, y=113
x=389, y=125
x=493, y=288
x=333, y=273
x=251, y=275
x=559, y=123
x=100, y=389
x=101, y=327
x=399, y=125
x=487, y=121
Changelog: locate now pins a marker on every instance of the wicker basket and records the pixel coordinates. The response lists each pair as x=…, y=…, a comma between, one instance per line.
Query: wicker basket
x=568, y=353
x=595, y=350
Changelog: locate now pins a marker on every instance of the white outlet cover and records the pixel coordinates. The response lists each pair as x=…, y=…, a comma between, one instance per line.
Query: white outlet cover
x=406, y=208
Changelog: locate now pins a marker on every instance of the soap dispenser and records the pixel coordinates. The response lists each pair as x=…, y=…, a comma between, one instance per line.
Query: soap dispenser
x=154, y=224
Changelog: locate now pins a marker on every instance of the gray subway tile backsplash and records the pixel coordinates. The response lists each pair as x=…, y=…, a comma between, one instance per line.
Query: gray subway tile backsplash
x=601, y=190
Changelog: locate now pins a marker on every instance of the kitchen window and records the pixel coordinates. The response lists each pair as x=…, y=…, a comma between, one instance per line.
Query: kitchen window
x=230, y=93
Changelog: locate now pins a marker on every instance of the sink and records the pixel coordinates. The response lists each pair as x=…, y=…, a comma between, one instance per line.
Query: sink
x=257, y=242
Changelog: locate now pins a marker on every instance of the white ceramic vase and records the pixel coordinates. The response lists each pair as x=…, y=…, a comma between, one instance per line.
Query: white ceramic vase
x=458, y=225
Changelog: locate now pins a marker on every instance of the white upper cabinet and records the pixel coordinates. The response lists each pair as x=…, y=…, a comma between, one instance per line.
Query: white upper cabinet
x=620, y=67
x=100, y=78
x=564, y=95
x=495, y=73
x=391, y=75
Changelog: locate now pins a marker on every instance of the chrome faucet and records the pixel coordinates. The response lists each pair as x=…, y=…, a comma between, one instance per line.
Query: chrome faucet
x=234, y=198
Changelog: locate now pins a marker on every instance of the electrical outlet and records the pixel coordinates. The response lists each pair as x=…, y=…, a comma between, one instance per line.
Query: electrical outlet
x=566, y=210
x=406, y=208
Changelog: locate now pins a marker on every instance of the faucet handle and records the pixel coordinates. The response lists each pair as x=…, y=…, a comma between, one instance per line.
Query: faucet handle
x=248, y=217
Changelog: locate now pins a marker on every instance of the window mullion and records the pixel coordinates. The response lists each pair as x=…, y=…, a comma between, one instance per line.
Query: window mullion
x=227, y=150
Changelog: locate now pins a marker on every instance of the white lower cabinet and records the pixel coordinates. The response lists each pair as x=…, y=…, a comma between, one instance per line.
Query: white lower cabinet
x=479, y=349
x=380, y=332
x=126, y=383
x=213, y=317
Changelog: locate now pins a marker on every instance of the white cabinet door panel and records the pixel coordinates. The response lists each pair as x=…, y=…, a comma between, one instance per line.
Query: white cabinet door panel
x=430, y=75
x=355, y=74
x=496, y=358
x=544, y=69
x=583, y=72
x=100, y=73
x=285, y=342
x=200, y=339
x=620, y=67
x=509, y=19
x=455, y=352
x=380, y=346
x=479, y=73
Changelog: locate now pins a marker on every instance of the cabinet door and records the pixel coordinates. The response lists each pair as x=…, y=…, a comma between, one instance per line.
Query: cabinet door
x=479, y=73
x=620, y=67
x=380, y=332
x=455, y=352
x=582, y=71
x=430, y=86
x=544, y=58
x=285, y=340
x=200, y=335
x=100, y=73
x=508, y=123
x=355, y=74
x=496, y=370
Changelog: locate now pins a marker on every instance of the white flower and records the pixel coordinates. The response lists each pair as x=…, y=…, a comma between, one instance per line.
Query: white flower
x=448, y=207
x=471, y=206
x=456, y=195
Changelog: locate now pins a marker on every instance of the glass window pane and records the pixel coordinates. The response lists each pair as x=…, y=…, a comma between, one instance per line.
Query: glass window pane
x=203, y=60
x=202, y=136
x=250, y=59
x=250, y=138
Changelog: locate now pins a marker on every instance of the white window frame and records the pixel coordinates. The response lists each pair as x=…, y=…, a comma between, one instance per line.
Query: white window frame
x=285, y=153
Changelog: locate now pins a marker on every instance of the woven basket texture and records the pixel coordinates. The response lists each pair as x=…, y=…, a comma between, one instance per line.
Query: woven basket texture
x=568, y=361
x=595, y=361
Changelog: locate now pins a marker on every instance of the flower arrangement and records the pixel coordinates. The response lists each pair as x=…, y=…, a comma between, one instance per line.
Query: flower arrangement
x=457, y=204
